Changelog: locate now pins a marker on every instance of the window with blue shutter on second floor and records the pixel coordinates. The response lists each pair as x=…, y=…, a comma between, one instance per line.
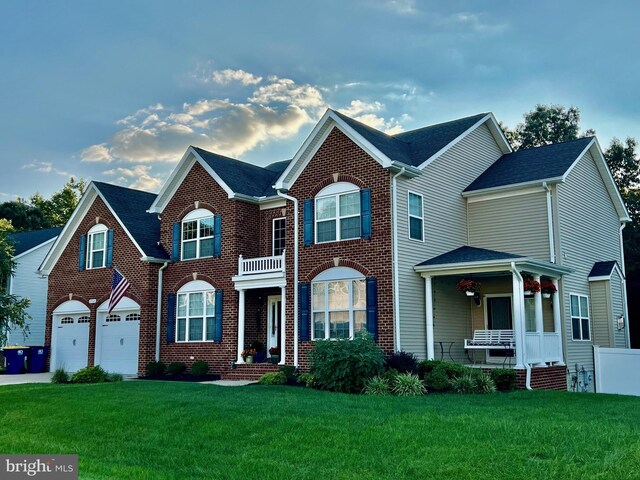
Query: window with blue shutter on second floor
x=197, y=234
x=96, y=246
x=337, y=213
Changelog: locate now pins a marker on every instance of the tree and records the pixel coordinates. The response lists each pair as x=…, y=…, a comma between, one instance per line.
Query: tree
x=13, y=314
x=623, y=163
x=23, y=216
x=58, y=209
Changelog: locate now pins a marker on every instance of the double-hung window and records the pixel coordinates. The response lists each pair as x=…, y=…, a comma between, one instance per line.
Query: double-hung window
x=279, y=235
x=195, y=316
x=416, y=217
x=580, y=317
x=337, y=213
x=197, y=234
x=97, y=246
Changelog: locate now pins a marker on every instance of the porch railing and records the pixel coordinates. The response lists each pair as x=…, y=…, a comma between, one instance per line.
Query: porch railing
x=256, y=266
x=543, y=347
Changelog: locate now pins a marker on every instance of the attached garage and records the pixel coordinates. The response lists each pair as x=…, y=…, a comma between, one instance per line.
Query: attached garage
x=70, y=336
x=118, y=337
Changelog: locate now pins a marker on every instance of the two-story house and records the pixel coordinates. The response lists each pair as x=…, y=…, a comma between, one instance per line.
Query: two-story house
x=360, y=230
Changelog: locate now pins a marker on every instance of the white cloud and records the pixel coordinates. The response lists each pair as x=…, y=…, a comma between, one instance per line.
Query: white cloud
x=356, y=107
x=45, y=167
x=226, y=76
x=402, y=7
x=364, y=112
x=138, y=176
x=97, y=153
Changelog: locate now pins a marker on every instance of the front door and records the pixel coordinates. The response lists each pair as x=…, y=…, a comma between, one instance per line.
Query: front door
x=274, y=319
x=499, y=317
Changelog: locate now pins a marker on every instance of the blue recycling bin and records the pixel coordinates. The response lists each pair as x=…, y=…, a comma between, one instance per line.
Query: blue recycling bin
x=15, y=357
x=36, y=359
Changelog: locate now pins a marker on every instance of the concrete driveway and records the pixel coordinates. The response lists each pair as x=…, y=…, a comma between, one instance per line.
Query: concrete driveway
x=25, y=378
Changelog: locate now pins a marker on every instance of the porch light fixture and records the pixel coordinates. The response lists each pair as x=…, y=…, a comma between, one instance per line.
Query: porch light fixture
x=620, y=322
x=476, y=298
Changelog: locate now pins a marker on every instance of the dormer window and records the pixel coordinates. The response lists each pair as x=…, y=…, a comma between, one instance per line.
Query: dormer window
x=197, y=234
x=337, y=212
x=97, y=246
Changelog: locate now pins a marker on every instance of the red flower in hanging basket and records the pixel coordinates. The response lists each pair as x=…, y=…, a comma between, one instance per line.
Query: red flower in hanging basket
x=468, y=285
x=531, y=285
x=548, y=288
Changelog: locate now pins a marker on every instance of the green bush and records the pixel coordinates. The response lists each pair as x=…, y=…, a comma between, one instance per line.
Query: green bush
x=273, y=378
x=176, y=368
x=199, y=368
x=60, y=376
x=403, y=362
x=464, y=384
x=288, y=370
x=425, y=367
x=408, y=385
x=307, y=379
x=485, y=383
x=378, y=385
x=441, y=374
x=505, y=380
x=345, y=365
x=155, y=369
x=89, y=375
x=390, y=374
x=114, y=377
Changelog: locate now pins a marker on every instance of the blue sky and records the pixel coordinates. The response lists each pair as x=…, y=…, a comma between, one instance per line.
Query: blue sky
x=116, y=91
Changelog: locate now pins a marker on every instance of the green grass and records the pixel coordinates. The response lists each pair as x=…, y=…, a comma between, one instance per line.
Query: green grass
x=164, y=430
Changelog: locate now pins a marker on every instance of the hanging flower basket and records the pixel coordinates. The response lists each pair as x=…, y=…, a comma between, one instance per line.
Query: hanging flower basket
x=531, y=286
x=548, y=289
x=468, y=286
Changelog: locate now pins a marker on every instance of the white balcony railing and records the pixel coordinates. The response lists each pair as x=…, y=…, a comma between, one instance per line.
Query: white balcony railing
x=256, y=266
x=543, y=347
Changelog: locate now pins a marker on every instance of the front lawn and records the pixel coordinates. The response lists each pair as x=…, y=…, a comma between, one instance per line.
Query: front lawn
x=161, y=430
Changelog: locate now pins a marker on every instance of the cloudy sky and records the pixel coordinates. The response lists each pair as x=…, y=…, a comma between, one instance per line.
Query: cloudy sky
x=116, y=91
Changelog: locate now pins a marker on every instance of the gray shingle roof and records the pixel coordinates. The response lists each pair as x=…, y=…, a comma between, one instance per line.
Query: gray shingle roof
x=530, y=165
x=243, y=177
x=468, y=255
x=602, y=269
x=131, y=208
x=415, y=146
x=24, y=241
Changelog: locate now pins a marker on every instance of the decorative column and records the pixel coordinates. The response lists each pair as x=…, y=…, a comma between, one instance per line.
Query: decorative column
x=518, y=317
x=557, y=319
x=240, y=325
x=283, y=325
x=428, y=294
x=537, y=299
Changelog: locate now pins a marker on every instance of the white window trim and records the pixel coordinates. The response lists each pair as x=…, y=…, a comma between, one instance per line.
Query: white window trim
x=273, y=234
x=195, y=216
x=190, y=288
x=410, y=216
x=335, y=190
x=93, y=231
x=588, y=318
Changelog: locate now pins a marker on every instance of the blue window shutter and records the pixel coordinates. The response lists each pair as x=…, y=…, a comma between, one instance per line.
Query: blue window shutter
x=307, y=221
x=304, y=311
x=217, y=235
x=218, y=333
x=175, y=252
x=171, y=318
x=372, y=306
x=109, y=261
x=365, y=213
x=82, y=253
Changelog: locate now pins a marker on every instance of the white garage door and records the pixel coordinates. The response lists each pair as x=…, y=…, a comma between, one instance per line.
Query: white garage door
x=72, y=342
x=118, y=337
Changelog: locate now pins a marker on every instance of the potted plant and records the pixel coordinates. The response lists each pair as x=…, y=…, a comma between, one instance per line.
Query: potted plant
x=274, y=354
x=247, y=355
x=468, y=286
x=548, y=289
x=531, y=286
x=259, y=348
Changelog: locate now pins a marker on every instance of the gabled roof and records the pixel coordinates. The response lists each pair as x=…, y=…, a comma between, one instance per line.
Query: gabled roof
x=603, y=270
x=25, y=241
x=467, y=254
x=546, y=163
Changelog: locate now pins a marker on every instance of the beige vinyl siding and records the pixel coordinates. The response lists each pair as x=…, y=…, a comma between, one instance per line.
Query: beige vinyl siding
x=451, y=319
x=588, y=231
x=601, y=313
x=617, y=309
x=445, y=224
x=515, y=224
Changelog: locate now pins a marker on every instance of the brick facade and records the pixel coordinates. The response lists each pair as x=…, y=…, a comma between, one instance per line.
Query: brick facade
x=549, y=378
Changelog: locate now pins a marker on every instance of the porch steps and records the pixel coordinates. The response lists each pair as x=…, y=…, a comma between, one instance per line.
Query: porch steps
x=252, y=371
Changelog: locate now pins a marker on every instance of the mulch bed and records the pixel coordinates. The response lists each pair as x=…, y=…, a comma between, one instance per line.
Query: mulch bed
x=182, y=378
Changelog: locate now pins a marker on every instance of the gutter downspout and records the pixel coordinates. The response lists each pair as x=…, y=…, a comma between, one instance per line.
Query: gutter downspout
x=552, y=245
x=527, y=365
x=624, y=289
x=396, y=287
x=159, y=310
x=295, y=273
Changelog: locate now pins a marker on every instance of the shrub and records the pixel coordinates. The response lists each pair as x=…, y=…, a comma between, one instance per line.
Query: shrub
x=505, y=380
x=89, y=375
x=288, y=370
x=439, y=379
x=378, y=385
x=114, y=377
x=176, y=368
x=155, y=369
x=403, y=362
x=464, y=384
x=408, y=385
x=199, y=368
x=485, y=383
x=390, y=375
x=60, y=376
x=345, y=365
x=307, y=379
x=273, y=378
x=425, y=367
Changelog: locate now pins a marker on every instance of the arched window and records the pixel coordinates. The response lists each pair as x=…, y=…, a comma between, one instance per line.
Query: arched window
x=197, y=234
x=113, y=318
x=338, y=303
x=84, y=319
x=97, y=246
x=195, y=312
x=133, y=317
x=337, y=212
x=66, y=320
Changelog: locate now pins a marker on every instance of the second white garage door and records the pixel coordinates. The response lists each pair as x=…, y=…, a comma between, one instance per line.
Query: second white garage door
x=118, y=337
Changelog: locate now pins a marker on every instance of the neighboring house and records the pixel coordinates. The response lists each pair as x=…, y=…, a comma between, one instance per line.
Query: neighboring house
x=362, y=230
x=30, y=249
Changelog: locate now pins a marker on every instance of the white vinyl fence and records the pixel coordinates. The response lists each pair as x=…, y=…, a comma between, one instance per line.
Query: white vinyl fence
x=617, y=370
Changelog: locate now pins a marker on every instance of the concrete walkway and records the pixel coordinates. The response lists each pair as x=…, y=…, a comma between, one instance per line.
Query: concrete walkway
x=230, y=383
x=25, y=378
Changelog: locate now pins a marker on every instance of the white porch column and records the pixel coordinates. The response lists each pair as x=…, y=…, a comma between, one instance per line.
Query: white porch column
x=518, y=316
x=428, y=295
x=537, y=299
x=283, y=325
x=557, y=319
x=240, y=326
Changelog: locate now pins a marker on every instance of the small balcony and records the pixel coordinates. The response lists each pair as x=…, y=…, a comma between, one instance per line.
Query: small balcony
x=260, y=272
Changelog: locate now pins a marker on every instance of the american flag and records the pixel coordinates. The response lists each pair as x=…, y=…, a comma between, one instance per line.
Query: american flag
x=119, y=286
